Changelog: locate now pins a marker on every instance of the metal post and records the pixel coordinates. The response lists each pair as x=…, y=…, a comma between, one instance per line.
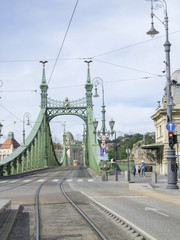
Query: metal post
x=128, y=152
x=26, y=115
x=1, y=130
x=172, y=175
x=116, y=170
x=98, y=81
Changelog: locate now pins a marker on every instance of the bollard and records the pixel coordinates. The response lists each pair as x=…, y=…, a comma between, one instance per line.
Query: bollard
x=127, y=178
x=104, y=176
x=154, y=177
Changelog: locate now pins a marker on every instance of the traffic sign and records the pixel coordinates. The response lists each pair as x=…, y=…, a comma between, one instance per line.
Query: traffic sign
x=170, y=126
x=103, y=145
x=103, y=137
x=102, y=151
x=105, y=157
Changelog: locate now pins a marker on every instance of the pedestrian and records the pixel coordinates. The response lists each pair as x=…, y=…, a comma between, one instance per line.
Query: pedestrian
x=139, y=171
x=143, y=168
x=134, y=170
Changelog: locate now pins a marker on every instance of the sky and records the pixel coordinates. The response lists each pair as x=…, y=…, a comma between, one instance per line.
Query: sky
x=111, y=33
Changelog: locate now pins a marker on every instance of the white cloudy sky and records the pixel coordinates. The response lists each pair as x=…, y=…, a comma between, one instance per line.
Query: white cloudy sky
x=111, y=32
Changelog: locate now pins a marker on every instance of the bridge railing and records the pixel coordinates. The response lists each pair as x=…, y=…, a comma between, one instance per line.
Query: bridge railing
x=38, y=151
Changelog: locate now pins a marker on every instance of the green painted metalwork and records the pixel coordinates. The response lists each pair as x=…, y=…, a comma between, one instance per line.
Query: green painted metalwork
x=38, y=151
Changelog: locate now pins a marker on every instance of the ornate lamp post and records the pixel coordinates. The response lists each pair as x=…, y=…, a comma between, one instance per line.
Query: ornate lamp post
x=95, y=124
x=1, y=83
x=98, y=81
x=128, y=152
x=1, y=130
x=26, y=115
x=112, y=123
x=172, y=175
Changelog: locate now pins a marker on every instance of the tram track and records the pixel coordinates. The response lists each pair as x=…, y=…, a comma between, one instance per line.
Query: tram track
x=71, y=204
x=59, y=212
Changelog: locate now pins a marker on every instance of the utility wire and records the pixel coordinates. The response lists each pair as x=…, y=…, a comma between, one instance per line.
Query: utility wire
x=82, y=85
x=38, y=60
x=132, y=45
x=117, y=65
x=11, y=113
x=83, y=58
x=63, y=41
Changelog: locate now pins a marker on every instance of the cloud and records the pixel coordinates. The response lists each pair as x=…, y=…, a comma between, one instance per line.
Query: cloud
x=114, y=32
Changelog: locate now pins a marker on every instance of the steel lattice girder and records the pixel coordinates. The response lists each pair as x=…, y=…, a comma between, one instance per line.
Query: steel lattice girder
x=77, y=111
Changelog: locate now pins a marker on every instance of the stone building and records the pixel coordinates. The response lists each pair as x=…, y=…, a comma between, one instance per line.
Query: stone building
x=160, y=121
x=9, y=146
x=73, y=149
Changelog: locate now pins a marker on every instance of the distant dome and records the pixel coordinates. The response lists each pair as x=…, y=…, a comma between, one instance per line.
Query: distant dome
x=69, y=136
x=176, y=76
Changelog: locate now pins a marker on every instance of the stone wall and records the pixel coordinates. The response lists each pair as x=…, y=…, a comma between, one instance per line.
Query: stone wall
x=138, y=154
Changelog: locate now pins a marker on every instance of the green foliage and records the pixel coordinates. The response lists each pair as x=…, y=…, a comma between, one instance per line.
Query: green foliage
x=127, y=142
x=150, y=139
x=123, y=143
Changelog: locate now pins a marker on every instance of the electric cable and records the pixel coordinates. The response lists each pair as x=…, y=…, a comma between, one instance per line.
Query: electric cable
x=133, y=69
x=131, y=45
x=63, y=41
x=11, y=113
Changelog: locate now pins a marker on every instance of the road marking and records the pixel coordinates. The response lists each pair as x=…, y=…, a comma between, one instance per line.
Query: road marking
x=4, y=181
x=41, y=180
x=156, y=210
x=55, y=180
x=139, y=186
x=80, y=180
x=14, y=181
x=69, y=180
x=27, y=180
x=90, y=180
x=147, y=235
x=125, y=196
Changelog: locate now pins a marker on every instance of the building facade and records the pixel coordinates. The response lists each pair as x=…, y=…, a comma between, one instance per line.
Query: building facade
x=160, y=121
x=9, y=146
x=73, y=149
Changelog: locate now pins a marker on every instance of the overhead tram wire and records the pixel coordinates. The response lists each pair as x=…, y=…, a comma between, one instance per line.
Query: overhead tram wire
x=63, y=40
x=82, y=85
x=83, y=58
x=131, y=45
x=10, y=113
x=133, y=69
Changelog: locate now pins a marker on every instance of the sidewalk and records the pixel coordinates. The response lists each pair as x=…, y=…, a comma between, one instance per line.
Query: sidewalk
x=140, y=182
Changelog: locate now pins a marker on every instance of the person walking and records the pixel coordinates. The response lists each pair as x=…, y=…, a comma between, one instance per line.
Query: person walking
x=134, y=170
x=139, y=171
x=143, y=168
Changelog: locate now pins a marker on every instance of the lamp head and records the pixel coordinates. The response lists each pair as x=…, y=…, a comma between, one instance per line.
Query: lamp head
x=95, y=94
x=111, y=124
x=95, y=124
x=152, y=32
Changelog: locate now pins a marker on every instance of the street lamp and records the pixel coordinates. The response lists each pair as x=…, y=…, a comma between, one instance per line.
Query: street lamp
x=95, y=124
x=112, y=123
x=98, y=81
x=1, y=83
x=172, y=175
x=26, y=115
x=1, y=130
x=128, y=152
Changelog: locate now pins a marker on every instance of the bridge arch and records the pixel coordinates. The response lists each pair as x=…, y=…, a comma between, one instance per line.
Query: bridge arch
x=38, y=151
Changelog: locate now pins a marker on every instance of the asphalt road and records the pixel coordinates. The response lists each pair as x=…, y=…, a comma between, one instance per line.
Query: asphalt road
x=155, y=213
x=155, y=216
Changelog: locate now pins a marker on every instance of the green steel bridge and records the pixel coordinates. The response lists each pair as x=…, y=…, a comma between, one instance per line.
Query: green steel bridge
x=37, y=151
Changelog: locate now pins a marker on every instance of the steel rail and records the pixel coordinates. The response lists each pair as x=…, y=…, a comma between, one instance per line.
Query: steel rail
x=37, y=206
x=100, y=234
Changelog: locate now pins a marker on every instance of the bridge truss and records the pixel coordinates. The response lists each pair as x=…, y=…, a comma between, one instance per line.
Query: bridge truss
x=38, y=151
